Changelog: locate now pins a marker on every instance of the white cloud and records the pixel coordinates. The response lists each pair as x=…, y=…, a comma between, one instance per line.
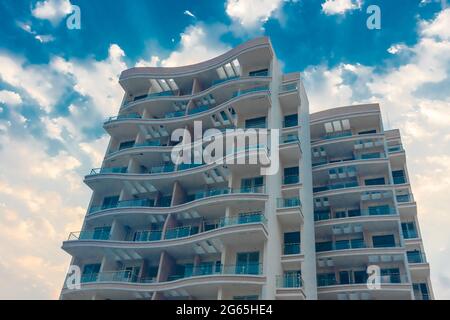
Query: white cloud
x=10, y=98
x=188, y=13
x=38, y=81
x=44, y=38
x=252, y=14
x=397, y=48
x=438, y=27
x=332, y=7
x=52, y=10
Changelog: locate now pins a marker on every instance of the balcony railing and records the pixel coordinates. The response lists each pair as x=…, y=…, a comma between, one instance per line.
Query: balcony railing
x=405, y=198
x=133, y=203
x=289, y=281
x=288, y=87
x=334, y=186
x=370, y=156
x=115, y=276
x=350, y=244
x=337, y=135
x=410, y=234
x=124, y=117
x=320, y=216
x=108, y=170
x=151, y=95
x=291, y=248
x=394, y=149
x=202, y=270
x=291, y=179
x=250, y=90
x=90, y=235
x=224, y=191
x=416, y=257
x=288, y=202
x=384, y=279
x=289, y=138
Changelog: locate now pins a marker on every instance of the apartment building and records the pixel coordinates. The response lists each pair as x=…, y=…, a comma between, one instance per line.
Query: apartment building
x=340, y=202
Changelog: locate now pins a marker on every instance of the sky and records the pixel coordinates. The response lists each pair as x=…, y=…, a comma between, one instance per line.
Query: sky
x=57, y=85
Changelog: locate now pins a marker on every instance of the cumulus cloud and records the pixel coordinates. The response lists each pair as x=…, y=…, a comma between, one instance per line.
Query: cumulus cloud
x=10, y=98
x=188, y=13
x=334, y=7
x=250, y=15
x=52, y=10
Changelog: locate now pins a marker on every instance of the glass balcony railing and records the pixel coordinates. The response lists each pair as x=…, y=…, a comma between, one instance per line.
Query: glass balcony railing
x=151, y=95
x=340, y=245
x=410, y=234
x=108, y=170
x=381, y=211
x=289, y=138
x=223, y=191
x=399, y=180
x=288, y=202
x=289, y=123
x=250, y=90
x=115, y=276
x=394, y=149
x=205, y=270
x=416, y=257
x=337, y=135
x=384, y=279
x=132, y=203
x=368, y=156
x=124, y=117
x=404, y=198
x=291, y=248
x=334, y=186
x=147, y=235
x=288, y=87
x=90, y=235
x=175, y=114
x=291, y=179
x=289, y=281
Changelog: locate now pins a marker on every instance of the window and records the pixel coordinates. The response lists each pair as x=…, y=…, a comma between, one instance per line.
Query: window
x=368, y=132
x=421, y=291
x=126, y=144
x=101, y=233
x=409, y=230
x=324, y=246
x=247, y=263
x=379, y=210
x=259, y=73
x=391, y=275
x=344, y=277
x=384, y=241
x=110, y=202
x=399, y=176
x=374, y=182
x=326, y=279
x=291, y=120
x=373, y=155
x=256, y=123
x=360, y=276
x=165, y=201
x=414, y=256
x=321, y=215
x=291, y=175
x=292, y=242
x=249, y=184
x=90, y=272
x=292, y=279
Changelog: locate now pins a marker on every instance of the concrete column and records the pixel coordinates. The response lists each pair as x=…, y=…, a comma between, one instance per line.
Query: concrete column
x=306, y=197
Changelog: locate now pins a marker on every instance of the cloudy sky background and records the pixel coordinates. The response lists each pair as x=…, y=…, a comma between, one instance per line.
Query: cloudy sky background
x=57, y=86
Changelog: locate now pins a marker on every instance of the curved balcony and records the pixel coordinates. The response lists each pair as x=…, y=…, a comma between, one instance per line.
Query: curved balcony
x=337, y=189
x=215, y=86
x=175, y=120
x=392, y=287
x=125, y=285
x=184, y=241
x=354, y=161
x=347, y=136
x=202, y=199
x=323, y=219
x=245, y=52
x=357, y=251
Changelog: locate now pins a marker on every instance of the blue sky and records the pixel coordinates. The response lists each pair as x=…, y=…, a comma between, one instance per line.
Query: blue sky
x=57, y=85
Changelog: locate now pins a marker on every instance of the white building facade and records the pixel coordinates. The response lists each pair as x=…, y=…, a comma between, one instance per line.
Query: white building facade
x=339, y=203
